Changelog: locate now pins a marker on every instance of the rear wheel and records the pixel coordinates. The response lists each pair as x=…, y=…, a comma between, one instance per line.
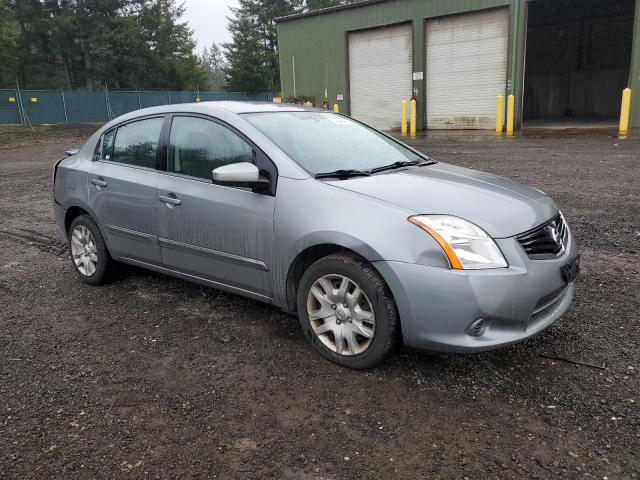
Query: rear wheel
x=347, y=312
x=89, y=253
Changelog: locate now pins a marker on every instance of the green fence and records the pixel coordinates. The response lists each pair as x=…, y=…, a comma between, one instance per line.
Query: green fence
x=64, y=106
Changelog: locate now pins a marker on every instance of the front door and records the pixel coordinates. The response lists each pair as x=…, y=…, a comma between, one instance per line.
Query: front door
x=122, y=189
x=221, y=234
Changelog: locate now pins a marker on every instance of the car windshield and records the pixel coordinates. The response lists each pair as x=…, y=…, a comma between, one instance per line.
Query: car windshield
x=322, y=142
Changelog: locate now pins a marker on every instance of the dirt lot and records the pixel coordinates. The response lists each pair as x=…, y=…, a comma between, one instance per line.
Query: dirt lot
x=153, y=377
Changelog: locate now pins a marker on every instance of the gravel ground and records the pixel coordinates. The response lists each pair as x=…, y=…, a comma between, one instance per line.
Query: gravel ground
x=151, y=377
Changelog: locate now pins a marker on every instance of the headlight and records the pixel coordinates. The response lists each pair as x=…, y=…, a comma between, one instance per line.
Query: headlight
x=466, y=245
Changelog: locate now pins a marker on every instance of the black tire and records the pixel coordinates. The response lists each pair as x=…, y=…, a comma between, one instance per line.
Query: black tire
x=386, y=334
x=105, y=265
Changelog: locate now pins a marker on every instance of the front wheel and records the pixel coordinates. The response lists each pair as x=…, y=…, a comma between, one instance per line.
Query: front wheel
x=346, y=311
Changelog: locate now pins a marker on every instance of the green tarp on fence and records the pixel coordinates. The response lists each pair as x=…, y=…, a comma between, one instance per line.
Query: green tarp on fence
x=62, y=106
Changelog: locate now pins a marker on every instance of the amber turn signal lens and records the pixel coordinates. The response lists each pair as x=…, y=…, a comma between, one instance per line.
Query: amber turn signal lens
x=448, y=251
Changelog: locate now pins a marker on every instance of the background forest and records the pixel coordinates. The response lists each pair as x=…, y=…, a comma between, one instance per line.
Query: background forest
x=138, y=44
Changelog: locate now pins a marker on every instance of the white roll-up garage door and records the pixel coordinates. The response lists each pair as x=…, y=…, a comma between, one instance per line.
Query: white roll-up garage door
x=380, y=69
x=466, y=68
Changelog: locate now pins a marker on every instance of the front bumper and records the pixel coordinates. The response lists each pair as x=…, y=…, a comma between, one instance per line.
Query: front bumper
x=437, y=306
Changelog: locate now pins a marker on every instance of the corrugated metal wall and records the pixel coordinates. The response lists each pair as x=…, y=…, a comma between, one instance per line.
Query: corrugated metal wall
x=58, y=106
x=318, y=44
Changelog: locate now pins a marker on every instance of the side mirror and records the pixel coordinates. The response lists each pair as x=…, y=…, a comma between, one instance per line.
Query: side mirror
x=243, y=174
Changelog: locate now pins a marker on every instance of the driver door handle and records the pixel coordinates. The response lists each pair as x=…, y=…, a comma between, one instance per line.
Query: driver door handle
x=169, y=200
x=98, y=182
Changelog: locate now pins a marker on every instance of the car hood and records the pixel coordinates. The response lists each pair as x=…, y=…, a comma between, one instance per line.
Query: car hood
x=502, y=207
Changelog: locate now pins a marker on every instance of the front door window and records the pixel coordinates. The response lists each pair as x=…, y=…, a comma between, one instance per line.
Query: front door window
x=198, y=146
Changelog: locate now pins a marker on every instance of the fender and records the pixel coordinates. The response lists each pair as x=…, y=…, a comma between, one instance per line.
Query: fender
x=80, y=203
x=286, y=260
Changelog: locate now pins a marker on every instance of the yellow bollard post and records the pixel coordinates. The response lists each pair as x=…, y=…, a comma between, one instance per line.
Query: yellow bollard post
x=624, y=111
x=336, y=108
x=511, y=107
x=412, y=120
x=499, y=114
x=403, y=120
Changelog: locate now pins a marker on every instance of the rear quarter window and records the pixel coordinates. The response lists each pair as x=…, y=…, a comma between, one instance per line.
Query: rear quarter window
x=107, y=144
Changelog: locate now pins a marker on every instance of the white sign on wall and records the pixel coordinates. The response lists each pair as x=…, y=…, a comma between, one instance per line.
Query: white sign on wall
x=418, y=76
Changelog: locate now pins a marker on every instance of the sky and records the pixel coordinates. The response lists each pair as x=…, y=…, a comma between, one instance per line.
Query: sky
x=207, y=19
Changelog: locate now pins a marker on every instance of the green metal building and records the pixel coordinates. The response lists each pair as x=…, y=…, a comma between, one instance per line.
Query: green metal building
x=563, y=60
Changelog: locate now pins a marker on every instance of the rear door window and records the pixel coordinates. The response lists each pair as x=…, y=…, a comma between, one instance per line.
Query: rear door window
x=136, y=143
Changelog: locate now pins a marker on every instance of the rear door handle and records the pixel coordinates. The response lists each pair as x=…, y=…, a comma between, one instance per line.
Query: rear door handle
x=98, y=182
x=169, y=200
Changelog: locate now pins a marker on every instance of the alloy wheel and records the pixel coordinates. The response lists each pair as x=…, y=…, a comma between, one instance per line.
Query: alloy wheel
x=84, y=251
x=341, y=314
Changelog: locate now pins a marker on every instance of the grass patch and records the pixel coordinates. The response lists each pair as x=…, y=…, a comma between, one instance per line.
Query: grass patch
x=20, y=134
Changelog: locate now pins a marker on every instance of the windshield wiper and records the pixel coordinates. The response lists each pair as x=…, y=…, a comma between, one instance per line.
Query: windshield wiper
x=404, y=163
x=343, y=173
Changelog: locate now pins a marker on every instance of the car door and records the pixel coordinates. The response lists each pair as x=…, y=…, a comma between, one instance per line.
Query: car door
x=218, y=233
x=122, y=189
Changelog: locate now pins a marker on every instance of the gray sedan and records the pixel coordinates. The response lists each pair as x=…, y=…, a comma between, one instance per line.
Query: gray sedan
x=369, y=241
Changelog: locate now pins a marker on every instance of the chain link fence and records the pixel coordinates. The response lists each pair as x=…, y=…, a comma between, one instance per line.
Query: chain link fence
x=64, y=106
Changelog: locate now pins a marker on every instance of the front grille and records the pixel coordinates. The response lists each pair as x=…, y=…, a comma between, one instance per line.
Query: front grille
x=547, y=240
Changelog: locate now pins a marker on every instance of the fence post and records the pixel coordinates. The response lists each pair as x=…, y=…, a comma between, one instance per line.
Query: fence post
x=64, y=105
x=24, y=118
x=106, y=102
x=139, y=102
x=19, y=104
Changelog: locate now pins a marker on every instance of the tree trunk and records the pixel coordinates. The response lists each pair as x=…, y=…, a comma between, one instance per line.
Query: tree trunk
x=87, y=68
x=67, y=75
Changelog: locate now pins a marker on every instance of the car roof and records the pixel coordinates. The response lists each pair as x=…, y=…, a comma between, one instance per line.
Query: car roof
x=212, y=108
x=249, y=107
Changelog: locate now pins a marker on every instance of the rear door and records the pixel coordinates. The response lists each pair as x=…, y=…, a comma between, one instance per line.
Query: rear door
x=218, y=233
x=122, y=189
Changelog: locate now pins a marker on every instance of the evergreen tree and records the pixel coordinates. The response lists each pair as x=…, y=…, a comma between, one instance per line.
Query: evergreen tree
x=8, y=44
x=253, y=52
x=253, y=28
x=126, y=44
x=213, y=61
x=319, y=4
x=246, y=68
x=171, y=45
